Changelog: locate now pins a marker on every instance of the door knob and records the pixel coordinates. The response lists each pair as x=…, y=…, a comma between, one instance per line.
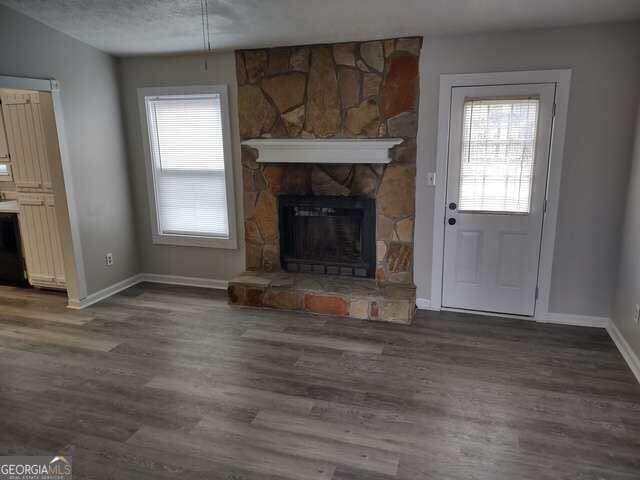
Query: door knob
x=452, y=221
x=453, y=206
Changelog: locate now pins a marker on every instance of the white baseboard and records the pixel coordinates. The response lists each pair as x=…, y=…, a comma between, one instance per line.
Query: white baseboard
x=146, y=277
x=104, y=293
x=560, y=318
x=625, y=350
x=185, y=281
x=577, y=320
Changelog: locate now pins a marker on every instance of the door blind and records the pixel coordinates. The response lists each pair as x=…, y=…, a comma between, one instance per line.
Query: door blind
x=498, y=151
x=188, y=160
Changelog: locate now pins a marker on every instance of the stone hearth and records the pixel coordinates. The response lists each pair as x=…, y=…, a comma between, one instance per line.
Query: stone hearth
x=358, y=90
x=325, y=295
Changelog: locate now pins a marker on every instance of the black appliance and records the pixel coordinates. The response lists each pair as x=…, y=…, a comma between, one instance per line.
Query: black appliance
x=12, y=268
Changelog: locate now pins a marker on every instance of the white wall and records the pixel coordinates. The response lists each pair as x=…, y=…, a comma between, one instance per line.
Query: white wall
x=167, y=71
x=605, y=89
x=605, y=61
x=95, y=141
x=628, y=285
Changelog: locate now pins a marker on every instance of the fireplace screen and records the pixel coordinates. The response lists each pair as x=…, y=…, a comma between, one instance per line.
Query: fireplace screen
x=327, y=235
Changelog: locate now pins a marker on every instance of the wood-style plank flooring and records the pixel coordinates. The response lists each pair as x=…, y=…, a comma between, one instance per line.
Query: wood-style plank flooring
x=166, y=382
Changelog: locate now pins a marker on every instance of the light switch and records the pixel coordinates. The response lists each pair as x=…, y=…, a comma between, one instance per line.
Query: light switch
x=431, y=179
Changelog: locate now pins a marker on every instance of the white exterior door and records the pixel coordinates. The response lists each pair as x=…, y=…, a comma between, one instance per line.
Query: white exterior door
x=499, y=142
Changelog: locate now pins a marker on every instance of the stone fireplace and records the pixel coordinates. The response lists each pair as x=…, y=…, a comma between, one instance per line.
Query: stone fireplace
x=329, y=219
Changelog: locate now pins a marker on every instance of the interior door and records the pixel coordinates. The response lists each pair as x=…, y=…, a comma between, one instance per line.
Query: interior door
x=499, y=144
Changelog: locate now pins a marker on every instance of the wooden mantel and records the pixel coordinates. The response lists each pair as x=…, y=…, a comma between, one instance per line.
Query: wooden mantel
x=334, y=151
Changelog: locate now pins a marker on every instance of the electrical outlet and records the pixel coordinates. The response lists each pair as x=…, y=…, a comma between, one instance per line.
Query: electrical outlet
x=636, y=314
x=109, y=259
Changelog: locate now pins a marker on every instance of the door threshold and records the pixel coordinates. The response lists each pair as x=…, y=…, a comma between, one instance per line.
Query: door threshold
x=489, y=314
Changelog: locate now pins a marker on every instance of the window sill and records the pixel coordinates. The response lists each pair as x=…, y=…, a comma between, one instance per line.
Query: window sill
x=193, y=241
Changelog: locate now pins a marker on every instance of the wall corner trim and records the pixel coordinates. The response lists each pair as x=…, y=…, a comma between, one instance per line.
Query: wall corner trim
x=146, y=277
x=625, y=349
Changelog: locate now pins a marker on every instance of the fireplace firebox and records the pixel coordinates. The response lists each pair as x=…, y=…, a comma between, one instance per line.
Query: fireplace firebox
x=327, y=235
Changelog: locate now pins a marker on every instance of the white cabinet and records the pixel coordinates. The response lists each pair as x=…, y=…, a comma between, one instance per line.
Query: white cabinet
x=30, y=167
x=25, y=138
x=41, y=240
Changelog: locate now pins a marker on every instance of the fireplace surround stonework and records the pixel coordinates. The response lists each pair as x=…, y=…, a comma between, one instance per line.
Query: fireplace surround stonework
x=363, y=90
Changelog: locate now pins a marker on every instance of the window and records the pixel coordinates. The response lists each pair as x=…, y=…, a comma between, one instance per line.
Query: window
x=5, y=173
x=498, y=151
x=189, y=165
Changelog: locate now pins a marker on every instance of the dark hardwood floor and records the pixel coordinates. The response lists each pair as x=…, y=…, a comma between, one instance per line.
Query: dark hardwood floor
x=169, y=382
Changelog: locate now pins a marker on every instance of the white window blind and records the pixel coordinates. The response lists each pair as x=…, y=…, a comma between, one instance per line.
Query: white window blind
x=187, y=147
x=498, y=152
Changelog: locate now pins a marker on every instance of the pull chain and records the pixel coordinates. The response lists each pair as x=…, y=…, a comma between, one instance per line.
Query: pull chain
x=206, y=35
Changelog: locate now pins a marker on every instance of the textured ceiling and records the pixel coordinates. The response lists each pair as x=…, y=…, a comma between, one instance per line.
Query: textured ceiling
x=169, y=26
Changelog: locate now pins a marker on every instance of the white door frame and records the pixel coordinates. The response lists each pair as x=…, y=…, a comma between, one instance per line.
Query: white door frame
x=562, y=79
x=53, y=87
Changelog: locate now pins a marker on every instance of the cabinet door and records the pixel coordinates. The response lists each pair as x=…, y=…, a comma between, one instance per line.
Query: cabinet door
x=25, y=138
x=41, y=241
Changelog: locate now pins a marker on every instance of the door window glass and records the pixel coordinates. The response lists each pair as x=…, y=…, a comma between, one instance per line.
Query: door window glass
x=498, y=151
